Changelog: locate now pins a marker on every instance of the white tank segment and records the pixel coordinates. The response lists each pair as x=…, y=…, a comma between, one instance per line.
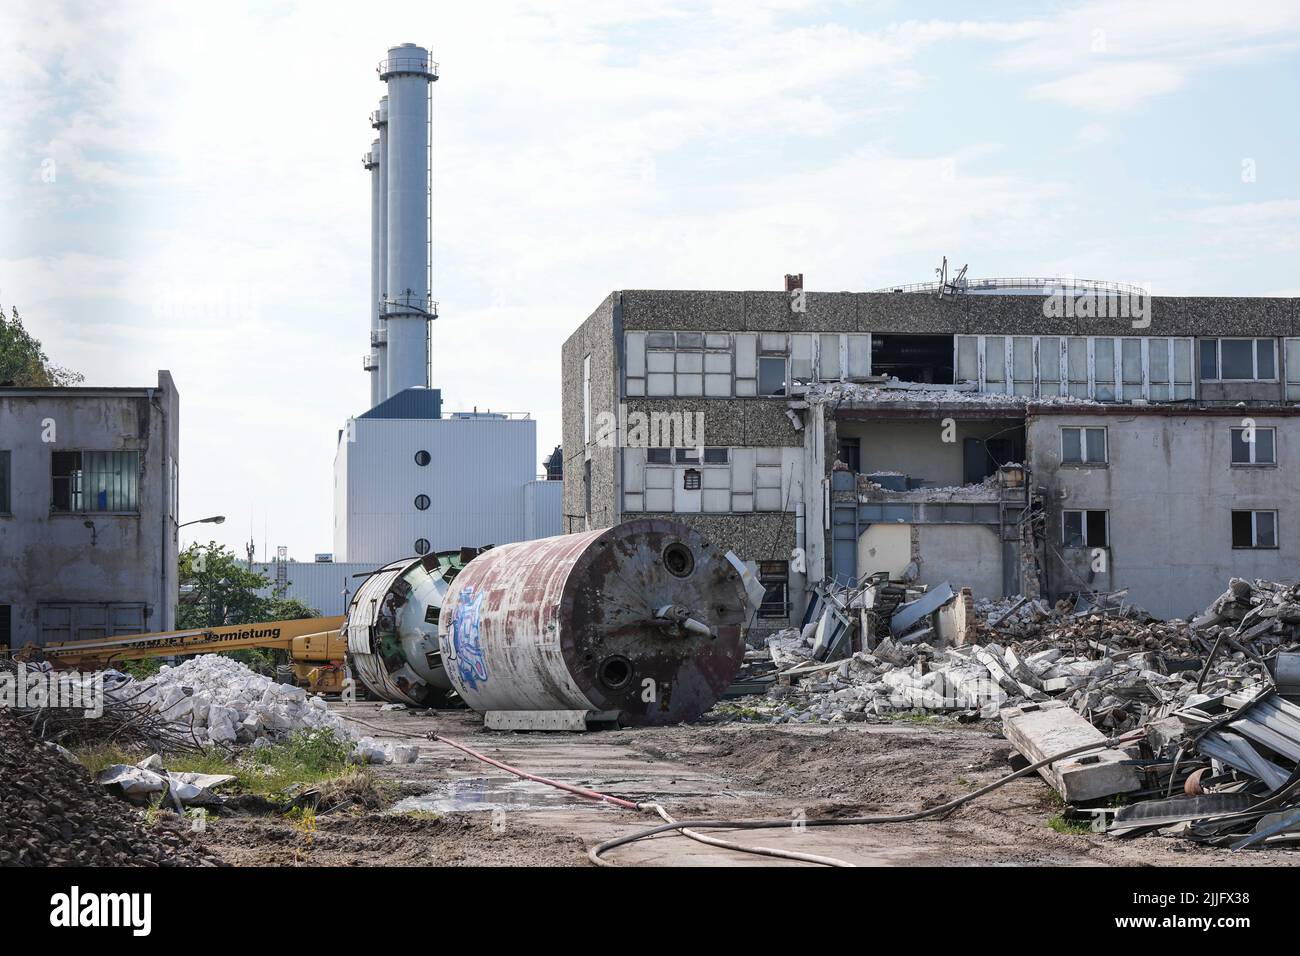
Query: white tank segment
x=408, y=307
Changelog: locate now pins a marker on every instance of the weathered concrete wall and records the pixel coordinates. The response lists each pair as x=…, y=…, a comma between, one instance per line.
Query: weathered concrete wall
x=885, y=547
x=597, y=337
x=121, y=558
x=1170, y=489
x=720, y=311
x=965, y=555
x=918, y=449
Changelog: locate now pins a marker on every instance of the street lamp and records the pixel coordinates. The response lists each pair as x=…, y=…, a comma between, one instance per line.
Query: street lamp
x=215, y=519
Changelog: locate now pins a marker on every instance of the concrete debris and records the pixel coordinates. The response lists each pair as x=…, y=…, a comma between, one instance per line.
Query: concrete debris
x=1040, y=731
x=137, y=783
x=370, y=750
x=1202, y=713
x=893, y=390
x=218, y=700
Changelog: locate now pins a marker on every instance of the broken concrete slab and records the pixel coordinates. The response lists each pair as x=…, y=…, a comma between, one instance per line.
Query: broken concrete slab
x=1041, y=730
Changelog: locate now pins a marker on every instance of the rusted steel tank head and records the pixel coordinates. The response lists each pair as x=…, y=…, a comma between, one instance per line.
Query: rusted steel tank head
x=645, y=619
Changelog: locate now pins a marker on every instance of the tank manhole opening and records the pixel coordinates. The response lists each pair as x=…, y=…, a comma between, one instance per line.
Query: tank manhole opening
x=615, y=672
x=678, y=560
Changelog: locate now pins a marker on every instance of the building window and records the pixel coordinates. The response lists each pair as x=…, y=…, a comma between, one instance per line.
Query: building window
x=5, y=504
x=422, y=458
x=775, y=578
x=1083, y=446
x=691, y=479
x=95, y=481
x=771, y=376
x=1254, y=529
x=715, y=456
x=1238, y=360
x=1254, y=446
x=659, y=456
x=1085, y=529
x=422, y=502
x=421, y=545
x=1103, y=368
x=6, y=625
x=851, y=453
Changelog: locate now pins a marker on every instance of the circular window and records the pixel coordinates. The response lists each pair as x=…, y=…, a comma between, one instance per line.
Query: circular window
x=422, y=458
x=678, y=560
x=421, y=545
x=422, y=502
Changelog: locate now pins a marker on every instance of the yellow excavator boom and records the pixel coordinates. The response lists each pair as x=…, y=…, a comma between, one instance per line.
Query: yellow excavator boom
x=316, y=646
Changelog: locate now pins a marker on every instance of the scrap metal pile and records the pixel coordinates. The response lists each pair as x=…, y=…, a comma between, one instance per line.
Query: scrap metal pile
x=1206, y=708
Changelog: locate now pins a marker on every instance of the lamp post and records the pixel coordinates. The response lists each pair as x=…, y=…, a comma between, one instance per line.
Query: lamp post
x=215, y=519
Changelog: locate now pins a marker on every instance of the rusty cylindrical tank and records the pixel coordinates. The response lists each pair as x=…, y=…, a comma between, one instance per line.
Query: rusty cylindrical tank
x=392, y=629
x=644, y=619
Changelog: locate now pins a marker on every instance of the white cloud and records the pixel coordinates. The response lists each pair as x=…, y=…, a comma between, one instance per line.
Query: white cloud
x=211, y=213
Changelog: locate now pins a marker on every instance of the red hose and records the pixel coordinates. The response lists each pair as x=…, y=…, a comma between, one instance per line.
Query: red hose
x=580, y=791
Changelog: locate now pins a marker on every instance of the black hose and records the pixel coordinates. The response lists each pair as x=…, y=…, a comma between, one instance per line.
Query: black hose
x=595, y=853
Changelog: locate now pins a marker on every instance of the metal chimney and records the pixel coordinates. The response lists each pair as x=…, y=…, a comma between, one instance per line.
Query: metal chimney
x=408, y=306
x=375, y=365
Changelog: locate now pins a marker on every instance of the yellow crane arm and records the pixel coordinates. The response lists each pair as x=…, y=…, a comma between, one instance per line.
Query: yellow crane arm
x=307, y=640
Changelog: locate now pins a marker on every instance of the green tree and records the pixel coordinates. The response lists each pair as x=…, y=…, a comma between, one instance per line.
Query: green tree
x=217, y=588
x=23, y=361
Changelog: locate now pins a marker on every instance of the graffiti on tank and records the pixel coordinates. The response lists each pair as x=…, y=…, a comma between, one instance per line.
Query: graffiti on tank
x=465, y=639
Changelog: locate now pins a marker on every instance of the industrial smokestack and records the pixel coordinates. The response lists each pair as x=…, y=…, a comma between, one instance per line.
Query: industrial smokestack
x=408, y=72
x=375, y=365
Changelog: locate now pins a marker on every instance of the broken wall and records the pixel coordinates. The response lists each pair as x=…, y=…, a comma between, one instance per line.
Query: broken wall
x=1169, y=489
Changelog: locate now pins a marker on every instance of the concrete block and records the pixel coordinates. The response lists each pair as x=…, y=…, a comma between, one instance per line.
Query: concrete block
x=1041, y=730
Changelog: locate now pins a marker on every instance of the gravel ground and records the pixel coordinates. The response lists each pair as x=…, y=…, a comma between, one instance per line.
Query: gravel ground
x=53, y=814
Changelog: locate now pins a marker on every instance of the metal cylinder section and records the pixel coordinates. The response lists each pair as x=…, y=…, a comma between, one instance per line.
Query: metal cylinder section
x=644, y=619
x=392, y=630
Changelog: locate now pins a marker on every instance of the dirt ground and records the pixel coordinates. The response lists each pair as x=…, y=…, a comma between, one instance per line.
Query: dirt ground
x=450, y=809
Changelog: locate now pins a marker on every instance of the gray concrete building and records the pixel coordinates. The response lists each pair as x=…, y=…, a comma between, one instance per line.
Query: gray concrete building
x=1018, y=436
x=88, y=511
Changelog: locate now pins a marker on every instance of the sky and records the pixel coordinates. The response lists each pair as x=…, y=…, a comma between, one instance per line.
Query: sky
x=181, y=184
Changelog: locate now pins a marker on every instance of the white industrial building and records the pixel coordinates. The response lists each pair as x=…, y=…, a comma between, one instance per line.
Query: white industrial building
x=406, y=479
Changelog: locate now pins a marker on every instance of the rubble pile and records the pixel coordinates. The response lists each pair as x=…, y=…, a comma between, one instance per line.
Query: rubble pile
x=1116, y=666
x=1195, y=722
x=220, y=701
x=52, y=814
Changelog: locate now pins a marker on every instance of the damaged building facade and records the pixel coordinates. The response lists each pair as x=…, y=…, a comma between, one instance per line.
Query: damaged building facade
x=89, y=482
x=983, y=437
